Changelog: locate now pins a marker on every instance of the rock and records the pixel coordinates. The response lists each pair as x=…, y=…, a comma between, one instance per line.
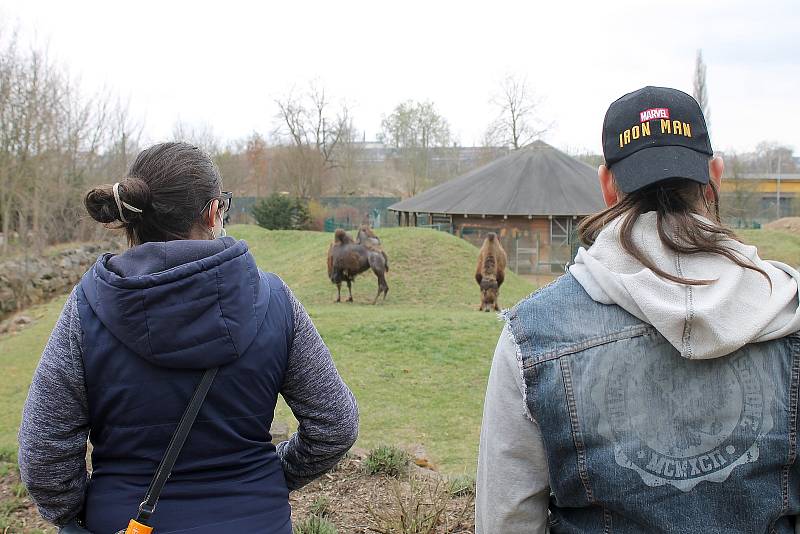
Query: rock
x=279, y=432
x=22, y=320
x=419, y=457
x=358, y=453
x=36, y=279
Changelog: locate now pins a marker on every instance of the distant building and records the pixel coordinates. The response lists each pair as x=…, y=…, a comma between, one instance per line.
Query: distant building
x=532, y=198
x=756, y=198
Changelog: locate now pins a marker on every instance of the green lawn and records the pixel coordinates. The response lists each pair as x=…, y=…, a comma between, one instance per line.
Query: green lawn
x=774, y=245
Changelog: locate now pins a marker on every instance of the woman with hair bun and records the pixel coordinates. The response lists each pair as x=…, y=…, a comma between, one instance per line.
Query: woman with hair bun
x=131, y=344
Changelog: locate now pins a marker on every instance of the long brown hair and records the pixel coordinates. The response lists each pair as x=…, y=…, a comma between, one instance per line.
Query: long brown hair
x=677, y=204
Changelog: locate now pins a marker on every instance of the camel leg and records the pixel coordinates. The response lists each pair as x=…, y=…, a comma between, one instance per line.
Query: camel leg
x=350, y=290
x=339, y=290
x=383, y=287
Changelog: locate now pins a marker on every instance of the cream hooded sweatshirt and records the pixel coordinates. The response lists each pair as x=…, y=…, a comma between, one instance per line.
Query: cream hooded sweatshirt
x=702, y=322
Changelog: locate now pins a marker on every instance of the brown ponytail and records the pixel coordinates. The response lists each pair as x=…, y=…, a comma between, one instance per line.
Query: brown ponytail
x=677, y=205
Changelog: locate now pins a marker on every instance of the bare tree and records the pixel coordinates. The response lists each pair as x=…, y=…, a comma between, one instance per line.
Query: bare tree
x=741, y=202
x=199, y=134
x=773, y=158
x=518, y=122
x=700, y=91
x=54, y=141
x=350, y=170
x=258, y=163
x=310, y=131
x=415, y=130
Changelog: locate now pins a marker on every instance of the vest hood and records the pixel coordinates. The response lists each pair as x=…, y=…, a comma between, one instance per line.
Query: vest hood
x=189, y=304
x=738, y=307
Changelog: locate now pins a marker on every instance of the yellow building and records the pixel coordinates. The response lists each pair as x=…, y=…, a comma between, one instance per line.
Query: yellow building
x=759, y=197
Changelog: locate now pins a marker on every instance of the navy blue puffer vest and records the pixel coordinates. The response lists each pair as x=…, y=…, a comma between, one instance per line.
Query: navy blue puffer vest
x=153, y=319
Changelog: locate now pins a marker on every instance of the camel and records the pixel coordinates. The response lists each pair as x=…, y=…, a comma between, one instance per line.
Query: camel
x=491, y=272
x=347, y=259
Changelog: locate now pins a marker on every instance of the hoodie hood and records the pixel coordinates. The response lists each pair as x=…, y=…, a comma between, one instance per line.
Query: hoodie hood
x=702, y=322
x=190, y=304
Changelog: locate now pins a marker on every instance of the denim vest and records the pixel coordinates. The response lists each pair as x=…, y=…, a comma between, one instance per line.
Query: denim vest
x=228, y=477
x=640, y=439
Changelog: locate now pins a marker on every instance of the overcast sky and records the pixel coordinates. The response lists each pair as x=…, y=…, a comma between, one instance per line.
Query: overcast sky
x=223, y=63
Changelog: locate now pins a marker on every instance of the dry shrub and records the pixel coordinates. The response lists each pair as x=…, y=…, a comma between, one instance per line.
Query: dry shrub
x=421, y=506
x=318, y=214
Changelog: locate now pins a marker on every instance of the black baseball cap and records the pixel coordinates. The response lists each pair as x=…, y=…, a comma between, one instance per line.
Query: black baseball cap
x=655, y=134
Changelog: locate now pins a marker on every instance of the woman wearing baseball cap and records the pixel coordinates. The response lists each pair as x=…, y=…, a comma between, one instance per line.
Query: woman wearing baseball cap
x=654, y=387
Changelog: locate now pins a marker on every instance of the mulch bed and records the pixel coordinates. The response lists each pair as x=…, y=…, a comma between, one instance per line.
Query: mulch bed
x=355, y=502
x=362, y=503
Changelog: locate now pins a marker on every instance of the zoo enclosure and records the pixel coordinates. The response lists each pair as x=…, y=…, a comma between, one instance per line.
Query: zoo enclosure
x=535, y=245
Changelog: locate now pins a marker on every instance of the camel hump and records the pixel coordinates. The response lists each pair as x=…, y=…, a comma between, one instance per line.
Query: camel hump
x=340, y=236
x=489, y=264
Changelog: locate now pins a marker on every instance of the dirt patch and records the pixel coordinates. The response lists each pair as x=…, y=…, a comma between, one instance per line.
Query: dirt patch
x=356, y=503
x=17, y=512
x=787, y=224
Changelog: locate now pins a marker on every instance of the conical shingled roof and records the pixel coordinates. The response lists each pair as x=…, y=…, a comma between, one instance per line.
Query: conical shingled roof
x=535, y=180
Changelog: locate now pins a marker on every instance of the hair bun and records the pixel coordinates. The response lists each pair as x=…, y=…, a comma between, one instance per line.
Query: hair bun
x=135, y=192
x=102, y=206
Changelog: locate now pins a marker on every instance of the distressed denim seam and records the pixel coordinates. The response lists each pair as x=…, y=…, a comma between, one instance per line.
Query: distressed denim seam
x=627, y=333
x=518, y=335
x=577, y=439
x=793, y=398
x=520, y=364
x=607, y=521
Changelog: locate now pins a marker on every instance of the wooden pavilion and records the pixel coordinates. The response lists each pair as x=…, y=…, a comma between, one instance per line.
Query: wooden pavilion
x=532, y=198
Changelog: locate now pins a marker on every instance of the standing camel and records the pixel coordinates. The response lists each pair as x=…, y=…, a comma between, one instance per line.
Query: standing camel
x=347, y=259
x=491, y=272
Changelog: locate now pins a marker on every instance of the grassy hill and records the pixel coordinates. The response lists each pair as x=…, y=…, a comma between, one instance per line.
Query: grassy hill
x=417, y=363
x=427, y=268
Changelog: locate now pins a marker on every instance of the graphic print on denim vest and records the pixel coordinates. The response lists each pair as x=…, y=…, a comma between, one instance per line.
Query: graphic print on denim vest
x=680, y=422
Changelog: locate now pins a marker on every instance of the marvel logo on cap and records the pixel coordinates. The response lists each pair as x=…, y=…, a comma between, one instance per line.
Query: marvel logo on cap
x=655, y=134
x=654, y=113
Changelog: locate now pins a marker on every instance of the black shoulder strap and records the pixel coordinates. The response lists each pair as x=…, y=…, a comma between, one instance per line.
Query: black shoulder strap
x=164, y=470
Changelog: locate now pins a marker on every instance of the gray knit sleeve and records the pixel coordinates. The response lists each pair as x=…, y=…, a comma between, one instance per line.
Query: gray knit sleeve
x=323, y=405
x=55, y=423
